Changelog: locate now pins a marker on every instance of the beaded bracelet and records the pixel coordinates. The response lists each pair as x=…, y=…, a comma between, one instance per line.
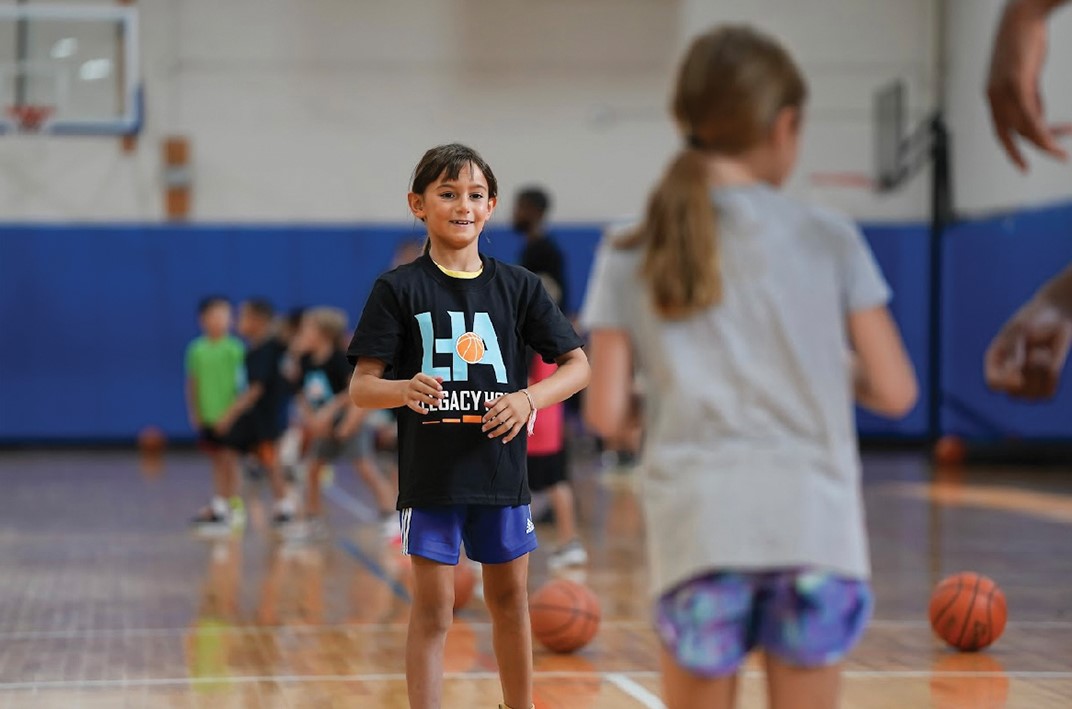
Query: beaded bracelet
x=532, y=410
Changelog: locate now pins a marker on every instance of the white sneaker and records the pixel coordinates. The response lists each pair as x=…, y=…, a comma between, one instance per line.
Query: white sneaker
x=209, y=523
x=237, y=512
x=569, y=554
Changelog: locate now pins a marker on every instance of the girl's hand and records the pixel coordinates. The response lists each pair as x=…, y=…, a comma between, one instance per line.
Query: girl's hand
x=421, y=392
x=507, y=416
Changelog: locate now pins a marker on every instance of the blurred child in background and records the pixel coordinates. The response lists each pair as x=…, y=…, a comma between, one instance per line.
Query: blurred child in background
x=407, y=251
x=292, y=441
x=214, y=375
x=253, y=423
x=336, y=428
x=548, y=461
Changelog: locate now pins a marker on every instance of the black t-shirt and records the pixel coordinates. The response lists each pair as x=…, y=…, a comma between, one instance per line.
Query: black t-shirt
x=543, y=257
x=322, y=381
x=473, y=333
x=263, y=364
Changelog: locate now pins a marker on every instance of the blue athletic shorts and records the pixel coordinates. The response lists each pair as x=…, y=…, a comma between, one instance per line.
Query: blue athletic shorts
x=492, y=535
x=805, y=618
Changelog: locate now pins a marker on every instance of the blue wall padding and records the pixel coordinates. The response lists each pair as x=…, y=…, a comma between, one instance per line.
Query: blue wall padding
x=94, y=319
x=902, y=254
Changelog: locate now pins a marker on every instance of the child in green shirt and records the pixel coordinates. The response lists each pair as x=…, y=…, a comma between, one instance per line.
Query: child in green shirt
x=215, y=374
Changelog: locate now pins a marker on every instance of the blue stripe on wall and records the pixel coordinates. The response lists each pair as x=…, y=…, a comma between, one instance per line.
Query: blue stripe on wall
x=95, y=318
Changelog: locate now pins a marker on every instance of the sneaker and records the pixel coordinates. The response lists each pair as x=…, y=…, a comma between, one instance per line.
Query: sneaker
x=210, y=523
x=569, y=554
x=282, y=521
x=238, y=512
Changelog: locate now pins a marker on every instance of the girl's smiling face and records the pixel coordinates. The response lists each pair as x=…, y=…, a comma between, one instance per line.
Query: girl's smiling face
x=455, y=210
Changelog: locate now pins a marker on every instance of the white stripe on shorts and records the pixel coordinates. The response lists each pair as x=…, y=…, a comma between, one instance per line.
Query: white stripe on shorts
x=407, y=514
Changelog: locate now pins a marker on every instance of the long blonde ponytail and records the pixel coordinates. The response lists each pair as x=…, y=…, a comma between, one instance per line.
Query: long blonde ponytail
x=731, y=85
x=681, y=262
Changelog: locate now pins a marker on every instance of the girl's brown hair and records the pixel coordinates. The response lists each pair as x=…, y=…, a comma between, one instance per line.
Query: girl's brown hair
x=730, y=87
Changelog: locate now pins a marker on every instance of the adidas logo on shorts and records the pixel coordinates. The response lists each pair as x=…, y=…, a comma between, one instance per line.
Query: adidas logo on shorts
x=530, y=527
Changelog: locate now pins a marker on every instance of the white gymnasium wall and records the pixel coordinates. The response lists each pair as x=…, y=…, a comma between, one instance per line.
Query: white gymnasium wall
x=317, y=110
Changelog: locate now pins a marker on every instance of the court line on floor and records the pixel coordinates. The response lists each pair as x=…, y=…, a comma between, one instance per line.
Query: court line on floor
x=255, y=629
x=356, y=552
x=634, y=690
x=295, y=679
x=609, y=677
x=374, y=627
x=351, y=504
x=1020, y=624
x=348, y=502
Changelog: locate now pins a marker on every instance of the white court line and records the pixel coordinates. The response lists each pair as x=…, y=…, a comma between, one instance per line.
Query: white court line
x=614, y=678
x=636, y=691
x=1025, y=624
x=293, y=679
x=375, y=627
x=252, y=630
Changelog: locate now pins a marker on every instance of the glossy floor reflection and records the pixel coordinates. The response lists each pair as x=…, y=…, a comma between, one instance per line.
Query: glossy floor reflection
x=106, y=600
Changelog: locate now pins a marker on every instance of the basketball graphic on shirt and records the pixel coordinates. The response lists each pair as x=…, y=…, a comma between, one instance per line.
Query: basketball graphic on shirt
x=470, y=347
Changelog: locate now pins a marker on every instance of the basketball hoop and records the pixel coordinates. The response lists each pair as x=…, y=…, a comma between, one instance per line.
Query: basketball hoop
x=29, y=118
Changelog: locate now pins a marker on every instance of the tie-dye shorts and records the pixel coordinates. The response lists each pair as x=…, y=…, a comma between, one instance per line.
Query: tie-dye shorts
x=804, y=618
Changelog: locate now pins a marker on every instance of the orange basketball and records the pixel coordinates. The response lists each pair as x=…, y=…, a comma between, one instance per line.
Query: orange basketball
x=470, y=347
x=565, y=615
x=950, y=450
x=464, y=583
x=151, y=440
x=968, y=611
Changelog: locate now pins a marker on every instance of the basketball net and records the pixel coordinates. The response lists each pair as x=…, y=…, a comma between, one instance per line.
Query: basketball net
x=29, y=118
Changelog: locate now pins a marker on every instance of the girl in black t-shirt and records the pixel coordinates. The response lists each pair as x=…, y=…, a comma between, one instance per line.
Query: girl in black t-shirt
x=444, y=340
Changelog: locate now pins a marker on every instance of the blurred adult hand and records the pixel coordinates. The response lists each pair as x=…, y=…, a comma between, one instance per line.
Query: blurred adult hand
x=1026, y=357
x=1016, y=103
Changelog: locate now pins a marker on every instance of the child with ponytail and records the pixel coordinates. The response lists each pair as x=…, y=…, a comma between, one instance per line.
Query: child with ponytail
x=757, y=322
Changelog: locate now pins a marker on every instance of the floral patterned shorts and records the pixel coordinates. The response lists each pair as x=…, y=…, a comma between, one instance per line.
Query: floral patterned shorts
x=805, y=618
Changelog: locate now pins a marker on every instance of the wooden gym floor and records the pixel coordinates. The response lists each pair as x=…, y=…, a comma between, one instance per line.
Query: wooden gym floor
x=107, y=601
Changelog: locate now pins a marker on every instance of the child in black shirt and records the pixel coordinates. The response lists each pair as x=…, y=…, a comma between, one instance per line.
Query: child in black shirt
x=444, y=340
x=336, y=428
